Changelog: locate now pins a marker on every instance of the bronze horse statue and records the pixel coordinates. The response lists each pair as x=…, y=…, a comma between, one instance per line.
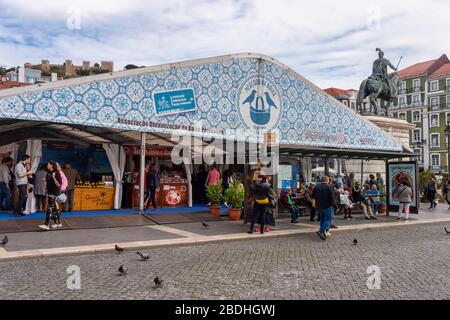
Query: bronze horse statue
x=375, y=88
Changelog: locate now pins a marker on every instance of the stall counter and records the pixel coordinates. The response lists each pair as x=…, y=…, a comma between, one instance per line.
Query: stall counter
x=93, y=199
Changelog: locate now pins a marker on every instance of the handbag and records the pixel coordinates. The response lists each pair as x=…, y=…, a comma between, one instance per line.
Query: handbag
x=62, y=198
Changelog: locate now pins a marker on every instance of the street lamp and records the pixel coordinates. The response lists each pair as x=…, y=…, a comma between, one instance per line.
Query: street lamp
x=447, y=133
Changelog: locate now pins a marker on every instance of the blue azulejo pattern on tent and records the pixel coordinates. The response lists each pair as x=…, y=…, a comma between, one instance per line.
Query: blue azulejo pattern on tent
x=235, y=94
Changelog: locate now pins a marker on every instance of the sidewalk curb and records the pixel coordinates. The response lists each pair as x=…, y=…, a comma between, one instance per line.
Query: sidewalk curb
x=200, y=240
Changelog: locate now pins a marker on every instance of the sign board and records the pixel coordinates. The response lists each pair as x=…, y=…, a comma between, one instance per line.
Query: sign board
x=149, y=151
x=172, y=102
x=398, y=172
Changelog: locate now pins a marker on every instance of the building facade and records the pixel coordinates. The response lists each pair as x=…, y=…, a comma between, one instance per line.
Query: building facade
x=69, y=70
x=424, y=100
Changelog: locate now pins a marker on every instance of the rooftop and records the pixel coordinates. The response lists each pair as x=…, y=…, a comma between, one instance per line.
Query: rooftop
x=443, y=71
x=423, y=68
x=337, y=92
x=11, y=84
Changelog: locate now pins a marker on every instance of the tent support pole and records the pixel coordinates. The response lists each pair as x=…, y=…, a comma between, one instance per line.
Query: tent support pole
x=142, y=174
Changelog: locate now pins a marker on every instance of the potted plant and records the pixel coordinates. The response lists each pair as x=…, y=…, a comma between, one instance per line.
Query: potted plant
x=214, y=194
x=235, y=198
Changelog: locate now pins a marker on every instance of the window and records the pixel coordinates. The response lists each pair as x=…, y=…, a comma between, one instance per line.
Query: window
x=345, y=102
x=402, y=102
x=448, y=101
x=416, y=85
x=435, y=140
x=434, y=85
x=434, y=120
x=435, y=160
x=434, y=102
x=448, y=84
x=416, y=100
x=416, y=135
x=353, y=105
x=402, y=116
x=403, y=87
x=448, y=117
x=416, y=116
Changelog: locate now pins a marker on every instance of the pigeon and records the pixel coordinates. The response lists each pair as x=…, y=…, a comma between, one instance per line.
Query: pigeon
x=205, y=225
x=355, y=242
x=269, y=100
x=158, y=282
x=122, y=270
x=143, y=255
x=448, y=232
x=4, y=241
x=118, y=249
x=250, y=98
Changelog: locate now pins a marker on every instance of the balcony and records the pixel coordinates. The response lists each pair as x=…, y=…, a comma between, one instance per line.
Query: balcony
x=416, y=89
x=438, y=169
x=416, y=104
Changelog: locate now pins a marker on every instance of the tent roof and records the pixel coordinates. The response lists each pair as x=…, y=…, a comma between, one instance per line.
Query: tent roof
x=383, y=141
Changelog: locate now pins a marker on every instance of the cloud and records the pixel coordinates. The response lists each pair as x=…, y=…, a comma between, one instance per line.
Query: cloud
x=332, y=43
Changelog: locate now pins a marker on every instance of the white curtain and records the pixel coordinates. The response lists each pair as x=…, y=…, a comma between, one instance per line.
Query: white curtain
x=13, y=148
x=117, y=159
x=188, y=168
x=306, y=168
x=34, y=150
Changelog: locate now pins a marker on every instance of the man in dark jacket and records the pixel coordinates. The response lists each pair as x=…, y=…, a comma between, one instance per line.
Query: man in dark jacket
x=326, y=204
x=152, y=184
x=72, y=177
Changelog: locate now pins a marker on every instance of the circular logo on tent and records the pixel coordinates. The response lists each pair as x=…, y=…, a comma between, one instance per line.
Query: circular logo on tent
x=259, y=102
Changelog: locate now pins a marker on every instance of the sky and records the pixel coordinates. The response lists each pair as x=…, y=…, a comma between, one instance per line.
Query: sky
x=331, y=43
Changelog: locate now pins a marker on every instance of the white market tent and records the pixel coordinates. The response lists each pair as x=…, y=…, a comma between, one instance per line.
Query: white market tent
x=119, y=108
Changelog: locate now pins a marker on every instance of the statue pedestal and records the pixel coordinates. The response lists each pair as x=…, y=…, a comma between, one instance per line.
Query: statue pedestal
x=398, y=129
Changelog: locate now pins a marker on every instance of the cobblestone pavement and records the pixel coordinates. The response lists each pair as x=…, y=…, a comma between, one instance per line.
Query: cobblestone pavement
x=414, y=264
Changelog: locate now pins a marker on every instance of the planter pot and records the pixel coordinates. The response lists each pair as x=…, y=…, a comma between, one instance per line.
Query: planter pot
x=214, y=210
x=234, y=214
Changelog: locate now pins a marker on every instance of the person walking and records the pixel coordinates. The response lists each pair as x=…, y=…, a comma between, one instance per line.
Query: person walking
x=5, y=189
x=72, y=176
x=431, y=192
x=446, y=191
x=54, y=182
x=153, y=183
x=405, y=199
x=40, y=187
x=21, y=176
x=262, y=199
x=326, y=204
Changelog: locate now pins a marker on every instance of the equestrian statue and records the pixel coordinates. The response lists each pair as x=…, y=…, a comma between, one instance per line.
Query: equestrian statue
x=380, y=85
